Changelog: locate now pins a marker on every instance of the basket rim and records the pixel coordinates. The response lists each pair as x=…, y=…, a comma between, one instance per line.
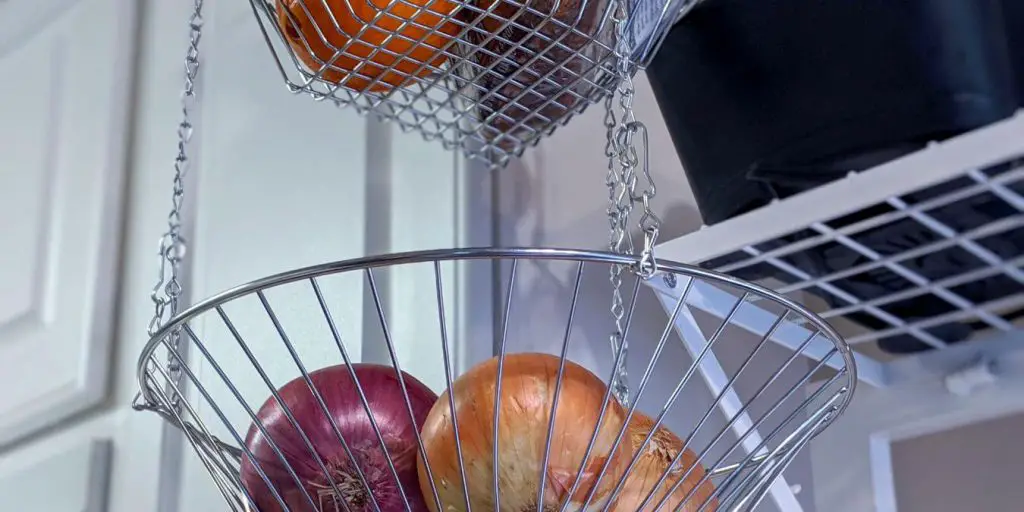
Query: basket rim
x=492, y=253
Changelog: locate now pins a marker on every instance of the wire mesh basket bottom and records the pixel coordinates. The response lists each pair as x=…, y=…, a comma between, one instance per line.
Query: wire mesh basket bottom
x=231, y=352
x=490, y=77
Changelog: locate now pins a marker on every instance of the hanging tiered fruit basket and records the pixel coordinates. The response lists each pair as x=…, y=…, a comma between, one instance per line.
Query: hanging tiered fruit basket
x=283, y=425
x=489, y=77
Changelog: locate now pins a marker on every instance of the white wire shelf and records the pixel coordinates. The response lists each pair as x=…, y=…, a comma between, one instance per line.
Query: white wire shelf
x=924, y=253
x=487, y=77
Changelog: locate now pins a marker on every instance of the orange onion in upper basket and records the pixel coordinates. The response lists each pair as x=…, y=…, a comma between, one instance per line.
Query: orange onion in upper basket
x=527, y=394
x=655, y=458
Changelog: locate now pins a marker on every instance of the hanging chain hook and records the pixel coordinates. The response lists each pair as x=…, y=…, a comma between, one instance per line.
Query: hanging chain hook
x=167, y=292
x=622, y=181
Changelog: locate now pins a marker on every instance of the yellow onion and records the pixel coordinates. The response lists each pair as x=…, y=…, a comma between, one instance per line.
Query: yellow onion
x=659, y=453
x=527, y=394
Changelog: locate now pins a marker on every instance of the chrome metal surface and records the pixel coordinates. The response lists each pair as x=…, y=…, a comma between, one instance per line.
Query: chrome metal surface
x=489, y=77
x=220, y=408
x=166, y=294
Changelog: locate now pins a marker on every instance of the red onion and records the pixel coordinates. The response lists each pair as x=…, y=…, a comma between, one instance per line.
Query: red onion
x=334, y=384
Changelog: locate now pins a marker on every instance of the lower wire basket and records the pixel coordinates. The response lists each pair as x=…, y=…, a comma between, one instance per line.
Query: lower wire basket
x=296, y=397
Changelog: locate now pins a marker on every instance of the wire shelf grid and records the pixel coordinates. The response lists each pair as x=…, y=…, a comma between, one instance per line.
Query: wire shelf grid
x=231, y=362
x=489, y=77
x=922, y=269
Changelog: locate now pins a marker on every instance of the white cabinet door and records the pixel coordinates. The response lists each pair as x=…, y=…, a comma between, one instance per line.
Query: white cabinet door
x=82, y=470
x=284, y=182
x=65, y=70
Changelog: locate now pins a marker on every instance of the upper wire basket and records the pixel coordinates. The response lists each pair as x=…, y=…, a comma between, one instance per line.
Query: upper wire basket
x=266, y=382
x=490, y=77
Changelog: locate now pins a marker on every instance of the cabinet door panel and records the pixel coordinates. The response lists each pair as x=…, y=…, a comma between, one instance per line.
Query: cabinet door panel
x=66, y=71
x=74, y=480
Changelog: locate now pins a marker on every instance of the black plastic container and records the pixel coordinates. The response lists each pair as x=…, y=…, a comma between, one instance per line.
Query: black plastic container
x=766, y=99
x=1013, y=15
x=760, y=96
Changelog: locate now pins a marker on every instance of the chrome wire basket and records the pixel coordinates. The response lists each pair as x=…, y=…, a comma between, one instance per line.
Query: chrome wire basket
x=490, y=77
x=573, y=445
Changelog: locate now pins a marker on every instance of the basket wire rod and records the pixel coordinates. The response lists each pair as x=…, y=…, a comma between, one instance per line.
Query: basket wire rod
x=533, y=32
x=726, y=470
x=536, y=78
x=362, y=62
x=190, y=433
x=245, y=405
x=375, y=293
x=512, y=21
x=788, y=452
x=721, y=433
x=735, y=469
x=619, y=354
x=997, y=227
x=485, y=253
x=790, y=457
x=654, y=42
x=558, y=385
x=502, y=345
x=225, y=474
x=525, y=89
x=537, y=112
x=639, y=392
x=730, y=468
x=158, y=408
x=271, y=45
x=197, y=444
x=220, y=413
x=327, y=413
x=747, y=461
x=807, y=427
x=770, y=471
x=431, y=30
x=686, y=377
x=255, y=419
x=381, y=48
x=336, y=335
x=446, y=352
x=671, y=401
x=338, y=52
x=879, y=220
x=552, y=97
x=204, y=449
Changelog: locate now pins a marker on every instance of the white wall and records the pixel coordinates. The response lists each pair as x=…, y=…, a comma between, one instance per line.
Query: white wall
x=976, y=467
x=556, y=196
x=135, y=477
x=851, y=460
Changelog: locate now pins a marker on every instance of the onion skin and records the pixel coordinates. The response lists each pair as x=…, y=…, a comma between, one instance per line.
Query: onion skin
x=656, y=457
x=384, y=395
x=527, y=393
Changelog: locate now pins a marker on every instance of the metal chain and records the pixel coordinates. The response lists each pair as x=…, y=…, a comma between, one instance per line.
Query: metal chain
x=167, y=292
x=622, y=180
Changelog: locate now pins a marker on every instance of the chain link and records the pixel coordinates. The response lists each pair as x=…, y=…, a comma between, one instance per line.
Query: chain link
x=622, y=181
x=166, y=294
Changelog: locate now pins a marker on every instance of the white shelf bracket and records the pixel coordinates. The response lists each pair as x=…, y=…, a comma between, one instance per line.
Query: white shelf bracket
x=732, y=407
